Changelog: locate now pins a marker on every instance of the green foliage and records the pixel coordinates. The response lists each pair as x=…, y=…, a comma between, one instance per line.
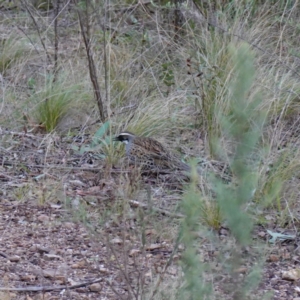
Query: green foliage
x=31, y=83
x=167, y=75
x=53, y=102
x=98, y=140
x=82, y=5
x=101, y=144
x=194, y=283
x=78, y=210
x=243, y=127
x=210, y=213
x=43, y=4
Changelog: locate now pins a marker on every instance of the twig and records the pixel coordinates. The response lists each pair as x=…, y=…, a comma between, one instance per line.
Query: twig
x=107, y=96
x=92, y=68
x=121, y=267
x=169, y=262
x=49, y=288
x=56, y=40
x=3, y=254
x=129, y=8
x=9, y=163
x=30, y=40
x=2, y=132
x=38, y=30
x=159, y=210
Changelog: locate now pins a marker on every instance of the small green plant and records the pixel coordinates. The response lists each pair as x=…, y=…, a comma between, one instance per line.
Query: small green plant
x=101, y=144
x=31, y=83
x=243, y=126
x=43, y=4
x=53, y=102
x=167, y=74
x=194, y=270
x=98, y=139
x=210, y=213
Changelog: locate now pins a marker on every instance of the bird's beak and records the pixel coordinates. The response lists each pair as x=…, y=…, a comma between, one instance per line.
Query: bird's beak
x=115, y=139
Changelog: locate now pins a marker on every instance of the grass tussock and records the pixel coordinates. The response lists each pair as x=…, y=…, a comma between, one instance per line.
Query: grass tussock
x=12, y=49
x=53, y=102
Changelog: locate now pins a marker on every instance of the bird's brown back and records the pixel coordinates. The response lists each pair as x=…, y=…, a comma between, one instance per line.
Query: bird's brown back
x=151, y=153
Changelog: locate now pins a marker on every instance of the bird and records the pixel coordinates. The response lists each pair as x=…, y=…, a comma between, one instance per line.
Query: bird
x=150, y=154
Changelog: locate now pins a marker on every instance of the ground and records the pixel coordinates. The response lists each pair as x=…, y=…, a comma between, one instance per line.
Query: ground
x=50, y=244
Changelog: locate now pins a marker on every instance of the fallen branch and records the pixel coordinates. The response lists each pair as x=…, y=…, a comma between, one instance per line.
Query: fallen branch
x=49, y=288
x=135, y=203
x=60, y=167
x=6, y=132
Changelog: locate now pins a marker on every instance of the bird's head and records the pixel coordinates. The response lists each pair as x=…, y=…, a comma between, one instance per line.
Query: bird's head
x=124, y=137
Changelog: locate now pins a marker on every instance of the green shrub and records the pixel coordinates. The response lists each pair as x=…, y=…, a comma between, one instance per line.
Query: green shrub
x=243, y=126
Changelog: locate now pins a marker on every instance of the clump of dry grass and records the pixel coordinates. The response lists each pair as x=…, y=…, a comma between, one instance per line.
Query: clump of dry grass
x=12, y=49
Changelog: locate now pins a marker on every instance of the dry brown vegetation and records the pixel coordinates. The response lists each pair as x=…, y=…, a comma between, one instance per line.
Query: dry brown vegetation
x=215, y=81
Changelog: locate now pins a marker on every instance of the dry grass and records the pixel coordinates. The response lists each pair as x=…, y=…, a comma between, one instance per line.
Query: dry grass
x=155, y=86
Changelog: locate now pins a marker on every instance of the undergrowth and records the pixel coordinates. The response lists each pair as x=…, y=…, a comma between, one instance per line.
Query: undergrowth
x=223, y=87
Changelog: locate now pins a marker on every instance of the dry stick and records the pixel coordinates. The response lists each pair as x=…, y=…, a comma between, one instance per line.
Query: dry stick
x=161, y=277
x=120, y=266
x=114, y=31
x=30, y=40
x=38, y=30
x=105, y=56
x=135, y=203
x=140, y=269
x=114, y=290
x=92, y=68
x=71, y=168
x=49, y=288
x=56, y=40
x=125, y=256
x=97, y=170
x=2, y=132
x=177, y=19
